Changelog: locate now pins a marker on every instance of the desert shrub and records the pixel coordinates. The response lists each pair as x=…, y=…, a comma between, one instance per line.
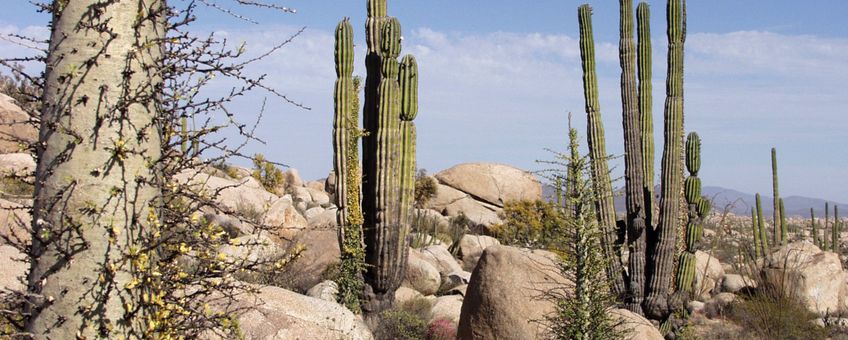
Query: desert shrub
x=441, y=329
x=248, y=212
x=769, y=314
x=12, y=186
x=406, y=321
x=430, y=229
x=425, y=188
x=531, y=224
x=267, y=174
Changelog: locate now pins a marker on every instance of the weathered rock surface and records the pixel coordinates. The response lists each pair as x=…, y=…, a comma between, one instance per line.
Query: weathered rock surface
x=321, y=250
x=326, y=290
x=404, y=294
x=421, y=275
x=235, y=195
x=439, y=256
x=285, y=315
x=708, y=274
x=634, y=326
x=471, y=247
x=814, y=276
x=283, y=220
x=733, y=283
x=14, y=222
x=447, y=307
x=21, y=164
x=12, y=269
x=14, y=128
x=492, y=183
x=505, y=294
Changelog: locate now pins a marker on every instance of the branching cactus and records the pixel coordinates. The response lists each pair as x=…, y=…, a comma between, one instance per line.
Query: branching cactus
x=387, y=219
x=653, y=267
x=699, y=207
x=347, y=170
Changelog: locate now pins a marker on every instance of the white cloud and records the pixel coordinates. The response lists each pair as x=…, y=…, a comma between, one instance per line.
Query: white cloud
x=504, y=97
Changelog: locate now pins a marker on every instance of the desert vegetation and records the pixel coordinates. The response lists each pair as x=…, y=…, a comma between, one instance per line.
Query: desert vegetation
x=123, y=214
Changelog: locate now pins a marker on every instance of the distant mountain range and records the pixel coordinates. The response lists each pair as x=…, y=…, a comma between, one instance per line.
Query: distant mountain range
x=740, y=202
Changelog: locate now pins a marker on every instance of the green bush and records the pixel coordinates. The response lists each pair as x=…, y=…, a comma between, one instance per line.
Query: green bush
x=407, y=321
x=531, y=224
x=770, y=314
x=425, y=188
x=267, y=174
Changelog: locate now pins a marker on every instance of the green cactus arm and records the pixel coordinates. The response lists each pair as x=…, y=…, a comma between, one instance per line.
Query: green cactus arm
x=758, y=249
x=761, y=224
x=657, y=305
x=778, y=229
x=645, y=71
x=597, y=152
x=408, y=79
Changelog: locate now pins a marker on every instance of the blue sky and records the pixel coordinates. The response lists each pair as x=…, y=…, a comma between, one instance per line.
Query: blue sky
x=499, y=77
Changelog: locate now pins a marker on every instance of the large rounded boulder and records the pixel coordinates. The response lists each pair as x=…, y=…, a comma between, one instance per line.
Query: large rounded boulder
x=506, y=298
x=492, y=183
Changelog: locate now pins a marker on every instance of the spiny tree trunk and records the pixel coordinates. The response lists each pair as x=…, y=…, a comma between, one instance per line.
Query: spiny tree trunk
x=98, y=148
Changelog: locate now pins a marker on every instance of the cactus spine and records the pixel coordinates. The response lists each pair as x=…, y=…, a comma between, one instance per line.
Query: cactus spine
x=602, y=185
x=699, y=207
x=779, y=229
x=347, y=170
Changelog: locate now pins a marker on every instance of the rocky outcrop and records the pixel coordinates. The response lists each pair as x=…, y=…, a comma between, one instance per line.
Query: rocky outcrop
x=708, y=275
x=479, y=191
x=506, y=296
x=14, y=126
x=634, y=326
x=471, y=247
x=813, y=276
x=492, y=183
x=320, y=251
x=13, y=268
x=282, y=314
x=446, y=307
x=421, y=275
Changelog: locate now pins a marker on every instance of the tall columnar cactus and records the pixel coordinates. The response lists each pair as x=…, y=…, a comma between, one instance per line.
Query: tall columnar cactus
x=699, y=207
x=813, y=230
x=784, y=227
x=755, y=230
x=387, y=220
x=659, y=249
x=370, y=111
x=602, y=185
x=662, y=258
x=408, y=80
x=761, y=225
x=779, y=229
x=636, y=218
x=837, y=230
x=646, y=102
x=347, y=171
x=825, y=244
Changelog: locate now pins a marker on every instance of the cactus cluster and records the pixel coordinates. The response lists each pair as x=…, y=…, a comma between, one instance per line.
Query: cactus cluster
x=646, y=286
x=373, y=232
x=390, y=165
x=699, y=207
